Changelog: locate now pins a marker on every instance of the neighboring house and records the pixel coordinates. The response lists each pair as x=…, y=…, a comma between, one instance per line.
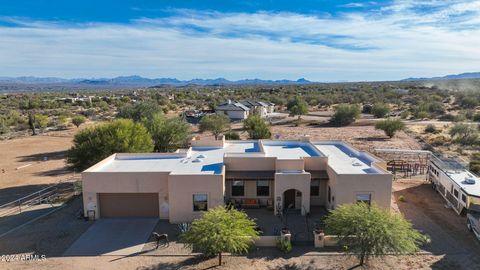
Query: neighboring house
x=238, y=110
x=234, y=110
x=275, y=174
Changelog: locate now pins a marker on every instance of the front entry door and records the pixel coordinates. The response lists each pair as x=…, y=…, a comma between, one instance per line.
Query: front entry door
x=289, y=198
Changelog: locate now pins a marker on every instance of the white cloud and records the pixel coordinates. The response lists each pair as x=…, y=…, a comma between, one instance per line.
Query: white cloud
x=265, y=45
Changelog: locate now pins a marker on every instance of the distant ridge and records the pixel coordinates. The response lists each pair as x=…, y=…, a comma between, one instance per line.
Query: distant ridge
x=136, y=80
x=469, y=75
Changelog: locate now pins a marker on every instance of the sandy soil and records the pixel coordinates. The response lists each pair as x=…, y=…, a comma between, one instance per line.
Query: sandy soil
x=28, y=164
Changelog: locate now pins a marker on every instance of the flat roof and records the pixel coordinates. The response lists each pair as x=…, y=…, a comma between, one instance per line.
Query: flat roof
x=343, y=159
x=460, y=177
x=289, y=149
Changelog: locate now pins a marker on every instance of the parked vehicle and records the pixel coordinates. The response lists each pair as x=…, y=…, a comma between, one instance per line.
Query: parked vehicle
x=473, y=221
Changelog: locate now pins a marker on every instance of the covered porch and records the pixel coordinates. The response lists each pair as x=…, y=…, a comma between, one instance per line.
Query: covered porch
x=301, y=227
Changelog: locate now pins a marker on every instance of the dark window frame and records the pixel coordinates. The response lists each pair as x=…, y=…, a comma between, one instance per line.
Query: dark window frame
x=315, y=189
x=238, y=190
x=196, y=202
x=263, y=191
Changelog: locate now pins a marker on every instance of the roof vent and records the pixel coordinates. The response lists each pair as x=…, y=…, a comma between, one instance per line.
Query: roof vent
x=197, y=160
x=356, y=163
x=469, y=180
x=201, y=156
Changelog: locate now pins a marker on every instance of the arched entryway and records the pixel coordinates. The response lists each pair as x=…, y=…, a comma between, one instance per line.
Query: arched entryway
x=292, y=199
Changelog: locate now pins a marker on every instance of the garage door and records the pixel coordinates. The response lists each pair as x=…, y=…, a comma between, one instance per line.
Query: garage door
x=128, y=205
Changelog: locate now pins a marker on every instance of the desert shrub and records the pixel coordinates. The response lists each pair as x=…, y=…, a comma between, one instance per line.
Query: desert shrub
x=438, y=140
x=474, y=165
x=468, y=102
x=380, y=110
x=390, y=126
x=476, y=117
x=297, y=107
x=345, y=114
x=421, y=115
x=464, y=134
x=232, y=135
x=78, y=120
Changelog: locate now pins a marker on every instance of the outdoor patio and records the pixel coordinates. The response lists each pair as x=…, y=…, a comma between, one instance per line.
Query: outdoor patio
x=301, y=227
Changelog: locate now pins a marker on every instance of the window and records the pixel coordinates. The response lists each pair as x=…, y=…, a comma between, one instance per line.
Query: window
x=455, y=193
x=364, y=198
x=329, y=194
x=200, y=202
x=464, y=198
x=263, y=188
x=315, y=188
x=238, y=188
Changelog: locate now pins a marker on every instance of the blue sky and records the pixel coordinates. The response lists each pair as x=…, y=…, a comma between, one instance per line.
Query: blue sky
x=320, y=40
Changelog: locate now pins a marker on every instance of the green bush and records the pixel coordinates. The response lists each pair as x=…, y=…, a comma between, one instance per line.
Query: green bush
x=78, y=120
x=284, y=245
x=390, y=126
x=345, y=114
x=93, y=144
x=379, y=110
x=232, y=135
x=368, y=230
x=257, y=128
x=168, y=134
x=215, y=123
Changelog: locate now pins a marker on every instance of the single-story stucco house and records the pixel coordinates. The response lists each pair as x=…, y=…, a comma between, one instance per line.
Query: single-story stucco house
x=275, y=174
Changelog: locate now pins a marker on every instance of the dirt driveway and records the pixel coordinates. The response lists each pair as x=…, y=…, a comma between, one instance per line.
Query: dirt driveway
x=449, y=235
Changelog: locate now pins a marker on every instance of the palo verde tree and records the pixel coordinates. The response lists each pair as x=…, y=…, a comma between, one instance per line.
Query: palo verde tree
x=257, y=128
x=298, y=107
x=93, y=144
x=221, y=230
x=390, y=126
x=168, y=134
x=367, y=231
x=215, y=123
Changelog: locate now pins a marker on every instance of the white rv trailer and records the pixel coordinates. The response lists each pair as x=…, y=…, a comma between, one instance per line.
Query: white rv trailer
x=458, y=186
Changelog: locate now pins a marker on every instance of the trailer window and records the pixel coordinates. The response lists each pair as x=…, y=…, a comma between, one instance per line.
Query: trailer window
x=455, y=193
x=464, y=198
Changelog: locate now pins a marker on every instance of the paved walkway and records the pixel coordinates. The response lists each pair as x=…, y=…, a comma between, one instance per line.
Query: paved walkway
x=121, y=237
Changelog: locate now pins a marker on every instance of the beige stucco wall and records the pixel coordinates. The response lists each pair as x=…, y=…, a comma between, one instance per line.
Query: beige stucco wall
x=121, y=182
x=298, y=181
x=249, y=163
x=345, y=188
x=315, y=163
x=250, y=191
x=182, y=188
x=289, y=165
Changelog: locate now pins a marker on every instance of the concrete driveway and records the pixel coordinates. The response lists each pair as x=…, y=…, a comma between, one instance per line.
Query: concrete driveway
x=113, y=236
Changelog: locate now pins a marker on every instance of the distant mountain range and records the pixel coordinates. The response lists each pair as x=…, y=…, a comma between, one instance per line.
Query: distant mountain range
x=130, y=81
x=470, y=75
